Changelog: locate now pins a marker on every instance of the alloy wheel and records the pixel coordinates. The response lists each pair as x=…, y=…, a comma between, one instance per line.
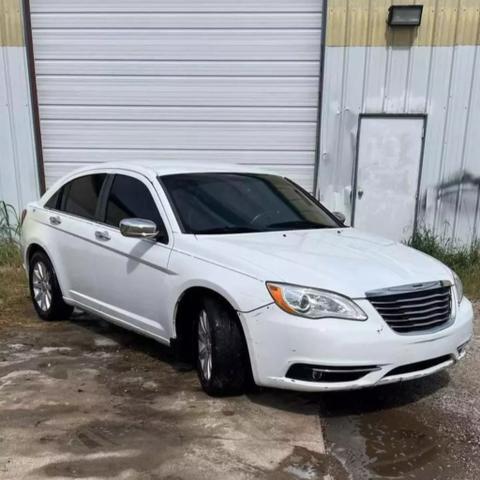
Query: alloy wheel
x=204, y=345
x=42, y=286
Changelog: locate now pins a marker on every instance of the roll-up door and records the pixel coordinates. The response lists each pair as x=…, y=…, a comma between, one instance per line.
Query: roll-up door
x=181, y=80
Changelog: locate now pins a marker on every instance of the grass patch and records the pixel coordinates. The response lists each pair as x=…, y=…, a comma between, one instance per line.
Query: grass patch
x=14, y=305
x=9, y=254
x=465, y=261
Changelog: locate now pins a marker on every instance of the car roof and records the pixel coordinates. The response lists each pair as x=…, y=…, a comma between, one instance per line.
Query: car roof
x=158, y=168
x=152, y=169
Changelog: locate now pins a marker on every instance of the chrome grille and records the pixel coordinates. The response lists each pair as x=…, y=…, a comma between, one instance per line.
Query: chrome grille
x=414, y=308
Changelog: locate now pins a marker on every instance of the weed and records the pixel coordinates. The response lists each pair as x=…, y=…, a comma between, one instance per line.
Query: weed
x=464, y=260
x=9, y=234
x=9, y=223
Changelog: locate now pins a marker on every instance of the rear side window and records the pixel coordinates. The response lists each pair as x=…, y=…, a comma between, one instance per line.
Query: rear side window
x=54, y=201
x=130, y=198
x=81, y=195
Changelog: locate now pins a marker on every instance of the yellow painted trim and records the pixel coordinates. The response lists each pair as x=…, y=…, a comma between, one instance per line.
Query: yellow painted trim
x=363, y=23
x=11, y=25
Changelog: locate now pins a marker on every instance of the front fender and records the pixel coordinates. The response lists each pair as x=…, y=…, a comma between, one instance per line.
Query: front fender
x=243, y=292
x=240, y=301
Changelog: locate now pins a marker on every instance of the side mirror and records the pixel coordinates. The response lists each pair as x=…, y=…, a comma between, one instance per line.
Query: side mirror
x=340, y=216
x=138, y=228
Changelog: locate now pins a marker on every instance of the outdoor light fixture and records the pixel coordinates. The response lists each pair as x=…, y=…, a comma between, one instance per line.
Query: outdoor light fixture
x=405, y=15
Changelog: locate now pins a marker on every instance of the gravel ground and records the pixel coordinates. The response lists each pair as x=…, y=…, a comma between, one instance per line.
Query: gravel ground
x=85, y=399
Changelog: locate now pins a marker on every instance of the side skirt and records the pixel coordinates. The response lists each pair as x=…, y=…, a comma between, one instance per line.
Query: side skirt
x=117, y=321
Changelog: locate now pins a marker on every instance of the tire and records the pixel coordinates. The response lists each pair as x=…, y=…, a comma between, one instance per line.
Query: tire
x=222, y=359
x=45, y=291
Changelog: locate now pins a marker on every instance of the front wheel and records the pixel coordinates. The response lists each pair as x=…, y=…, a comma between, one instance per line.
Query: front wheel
x=222, y=359
x=45, y=291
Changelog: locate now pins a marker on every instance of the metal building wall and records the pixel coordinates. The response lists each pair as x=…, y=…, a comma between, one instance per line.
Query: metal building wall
x=18, y=171
x=435, y=70
x=184, y=80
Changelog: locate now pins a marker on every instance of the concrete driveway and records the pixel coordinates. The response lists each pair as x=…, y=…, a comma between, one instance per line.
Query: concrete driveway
x=84, y=399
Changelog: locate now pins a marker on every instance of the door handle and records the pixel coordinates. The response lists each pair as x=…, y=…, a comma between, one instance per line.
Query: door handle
x=55, y=220
x=99, y=235
x=360, y=193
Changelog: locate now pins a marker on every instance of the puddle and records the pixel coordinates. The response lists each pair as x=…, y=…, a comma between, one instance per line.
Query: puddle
x=105, y=342
x=390, y=444
x=304, y=464
x=55, y=349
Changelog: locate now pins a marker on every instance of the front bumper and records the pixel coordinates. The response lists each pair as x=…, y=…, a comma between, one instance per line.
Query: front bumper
x=277, y=340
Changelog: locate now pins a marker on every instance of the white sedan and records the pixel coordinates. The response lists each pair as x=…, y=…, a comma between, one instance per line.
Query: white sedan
x=244, y=274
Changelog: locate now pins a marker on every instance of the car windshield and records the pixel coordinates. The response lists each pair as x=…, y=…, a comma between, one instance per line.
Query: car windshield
x=222, y=203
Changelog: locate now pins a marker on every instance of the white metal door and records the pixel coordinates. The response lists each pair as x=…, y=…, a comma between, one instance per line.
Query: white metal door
x=388, y=169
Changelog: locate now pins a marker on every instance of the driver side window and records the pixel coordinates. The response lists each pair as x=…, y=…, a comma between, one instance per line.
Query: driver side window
x=130, y=198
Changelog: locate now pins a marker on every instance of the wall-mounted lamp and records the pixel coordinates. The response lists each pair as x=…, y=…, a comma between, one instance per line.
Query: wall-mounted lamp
x=405, y=15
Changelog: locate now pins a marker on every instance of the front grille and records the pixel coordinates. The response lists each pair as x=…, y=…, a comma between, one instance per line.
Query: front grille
x=414, y=308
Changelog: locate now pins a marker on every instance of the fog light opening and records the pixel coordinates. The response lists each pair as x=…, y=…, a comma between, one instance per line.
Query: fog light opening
x=329, y=374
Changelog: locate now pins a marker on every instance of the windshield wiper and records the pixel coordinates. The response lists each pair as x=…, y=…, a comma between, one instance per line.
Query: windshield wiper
x=235, y=229
x=294, y=224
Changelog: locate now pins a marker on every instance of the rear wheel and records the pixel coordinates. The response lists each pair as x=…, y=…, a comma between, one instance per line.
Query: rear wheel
x=45, y=291
x=222, y=360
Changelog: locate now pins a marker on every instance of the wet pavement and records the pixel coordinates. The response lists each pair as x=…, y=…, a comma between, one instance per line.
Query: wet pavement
x=85, y=399
x=423, y=429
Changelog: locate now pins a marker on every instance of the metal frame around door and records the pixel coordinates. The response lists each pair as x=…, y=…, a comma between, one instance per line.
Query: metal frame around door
x=422, y=116
x=32, y=81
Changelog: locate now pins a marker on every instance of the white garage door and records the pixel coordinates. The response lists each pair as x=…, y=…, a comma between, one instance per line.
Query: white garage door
x=183, y=80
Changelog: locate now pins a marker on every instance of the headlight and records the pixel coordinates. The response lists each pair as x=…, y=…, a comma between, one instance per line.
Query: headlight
x=458, y=287
x=313, y=303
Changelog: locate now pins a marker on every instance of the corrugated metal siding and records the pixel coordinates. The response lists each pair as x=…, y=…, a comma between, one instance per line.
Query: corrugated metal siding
x=186, y=79
x=440, y=81
x=18, y=174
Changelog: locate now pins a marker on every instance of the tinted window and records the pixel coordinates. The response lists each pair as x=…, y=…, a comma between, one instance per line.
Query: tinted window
x=82, y=195
x=130, y=198
x=54, y=201
x=234, y=203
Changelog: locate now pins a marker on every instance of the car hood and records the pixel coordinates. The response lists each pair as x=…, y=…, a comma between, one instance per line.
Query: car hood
x=345, y=260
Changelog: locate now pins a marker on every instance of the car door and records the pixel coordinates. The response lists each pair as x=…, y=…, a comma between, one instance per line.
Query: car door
x=71, y=215
x=132, y=273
